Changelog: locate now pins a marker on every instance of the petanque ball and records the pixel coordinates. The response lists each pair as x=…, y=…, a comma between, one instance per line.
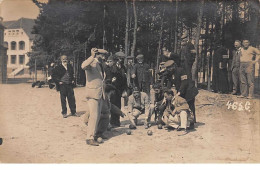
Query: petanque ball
x=99, y=140
x=149, y=132
x=149, y=125
x=160, y=126
x=132, y=126
x=128, y=132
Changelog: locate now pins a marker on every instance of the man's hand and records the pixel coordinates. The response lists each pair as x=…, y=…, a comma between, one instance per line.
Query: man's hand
x=60, y=83
x=122, y=115
x=113, y=79
x=94, y=51
x=133, y=76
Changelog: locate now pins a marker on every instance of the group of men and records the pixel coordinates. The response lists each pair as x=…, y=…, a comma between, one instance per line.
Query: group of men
x=235, y=75
x=244, y=59
x=109, y=78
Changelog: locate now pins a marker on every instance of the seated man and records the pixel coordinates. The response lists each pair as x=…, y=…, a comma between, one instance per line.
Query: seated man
x=177, y=113
x=138, y=104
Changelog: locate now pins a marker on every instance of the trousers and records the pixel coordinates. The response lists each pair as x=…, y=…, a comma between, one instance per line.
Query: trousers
x=94, y=107
x=67, y=92
x=236, y=79
x=247, y=79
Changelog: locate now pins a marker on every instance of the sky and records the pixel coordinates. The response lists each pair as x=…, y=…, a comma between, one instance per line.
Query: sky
x=15, y=9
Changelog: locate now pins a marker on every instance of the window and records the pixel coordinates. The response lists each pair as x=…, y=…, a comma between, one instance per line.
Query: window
x=21, y=45
x=13, y=45
x=6, y=44
x=21, y=59
x=13, y=59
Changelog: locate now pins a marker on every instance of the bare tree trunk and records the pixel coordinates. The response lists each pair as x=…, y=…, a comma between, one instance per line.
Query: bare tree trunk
x=176, y=27
x=205, y=49
x=135, y=29
x=160, y=40
x=126, y=31
x=195, y=64
x=104, y=30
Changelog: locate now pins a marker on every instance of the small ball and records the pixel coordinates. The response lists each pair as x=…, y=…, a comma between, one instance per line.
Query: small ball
x=149, y=132
x=100, y=140
x=128, y=132
x=149, y=125
x=160, y=126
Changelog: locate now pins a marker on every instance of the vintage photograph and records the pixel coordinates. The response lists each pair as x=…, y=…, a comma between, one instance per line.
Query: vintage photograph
x=129, y=81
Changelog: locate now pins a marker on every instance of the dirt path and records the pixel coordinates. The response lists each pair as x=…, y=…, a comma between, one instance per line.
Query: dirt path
x=33, y=131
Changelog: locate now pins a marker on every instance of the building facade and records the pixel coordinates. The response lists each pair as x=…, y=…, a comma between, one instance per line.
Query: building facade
x=3, y=55
x=19, y=40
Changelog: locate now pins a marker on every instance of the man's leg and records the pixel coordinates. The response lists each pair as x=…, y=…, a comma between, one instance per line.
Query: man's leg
x=151, y=111
x=191, y=104
x=71, y=99
x=184, y=119
x=243, y=80
x=115, y=119
x=63, y=95
x=102, y=125
x=94, y=112
x=250, y=79
x=235, y=78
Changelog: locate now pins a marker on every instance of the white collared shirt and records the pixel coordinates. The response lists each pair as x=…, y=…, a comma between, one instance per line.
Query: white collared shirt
x=65, y=66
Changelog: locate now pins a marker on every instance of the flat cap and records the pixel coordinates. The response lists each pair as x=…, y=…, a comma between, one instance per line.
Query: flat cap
x=120, y=54
x=168, y=63
x=140, y=56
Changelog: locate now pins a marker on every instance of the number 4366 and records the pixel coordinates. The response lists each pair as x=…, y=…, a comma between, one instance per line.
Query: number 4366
x=239, y=106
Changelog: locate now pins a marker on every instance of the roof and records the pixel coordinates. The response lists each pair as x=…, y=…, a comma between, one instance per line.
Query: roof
x=25, y=23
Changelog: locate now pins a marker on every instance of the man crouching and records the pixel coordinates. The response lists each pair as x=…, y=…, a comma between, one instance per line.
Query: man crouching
x=177, y=114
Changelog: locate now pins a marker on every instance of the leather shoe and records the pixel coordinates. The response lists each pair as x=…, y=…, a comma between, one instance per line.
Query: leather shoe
x=92, y=142
x=75, y=115
x=64, y=115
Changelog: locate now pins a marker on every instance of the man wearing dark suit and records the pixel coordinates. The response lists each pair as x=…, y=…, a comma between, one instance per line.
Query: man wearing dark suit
x=63, y=76
x=235, y=67
x=142, y=75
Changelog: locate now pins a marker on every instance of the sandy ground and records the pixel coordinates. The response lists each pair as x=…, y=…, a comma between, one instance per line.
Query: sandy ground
x=34, y=131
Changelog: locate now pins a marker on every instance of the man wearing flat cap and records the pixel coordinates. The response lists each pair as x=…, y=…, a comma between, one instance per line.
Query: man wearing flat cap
x=138, y=104
x=142, y=75
x=95, y=95
x=183, y=84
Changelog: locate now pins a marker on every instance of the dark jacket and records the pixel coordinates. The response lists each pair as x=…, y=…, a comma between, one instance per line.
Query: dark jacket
x=142, y=73
x=59, y=72
x=184, y=85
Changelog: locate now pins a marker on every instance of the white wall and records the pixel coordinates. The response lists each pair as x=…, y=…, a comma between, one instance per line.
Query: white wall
x=17, y=35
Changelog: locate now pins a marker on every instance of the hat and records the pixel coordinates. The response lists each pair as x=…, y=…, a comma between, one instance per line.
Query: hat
x=136, y=89
x=102, y=51
x=130, y=57
x=110, y=58
x=168, y=63
x=140, y=56
x=109, y=87
x=120, y=54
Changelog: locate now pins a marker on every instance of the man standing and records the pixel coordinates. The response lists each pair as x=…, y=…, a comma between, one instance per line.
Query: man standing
x=249, y=56
x=187, y=57
x=184, y=85
x=95, y=94
x=142, y=75
x=63, y=76
x=235, y=67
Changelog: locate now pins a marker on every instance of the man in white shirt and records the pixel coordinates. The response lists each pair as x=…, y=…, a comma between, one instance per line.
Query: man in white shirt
x=249, y=56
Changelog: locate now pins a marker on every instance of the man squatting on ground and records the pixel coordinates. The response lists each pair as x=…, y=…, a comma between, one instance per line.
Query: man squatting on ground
x=63, y=76
x=176, y=113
